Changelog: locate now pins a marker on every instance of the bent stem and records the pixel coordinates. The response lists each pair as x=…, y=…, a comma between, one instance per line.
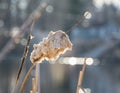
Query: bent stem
x=26, y=78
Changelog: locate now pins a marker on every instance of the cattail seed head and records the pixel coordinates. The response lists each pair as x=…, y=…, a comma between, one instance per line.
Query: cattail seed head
x=51, y=47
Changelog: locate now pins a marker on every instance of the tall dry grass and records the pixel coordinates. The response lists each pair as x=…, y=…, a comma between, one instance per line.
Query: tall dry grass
x=35, y=85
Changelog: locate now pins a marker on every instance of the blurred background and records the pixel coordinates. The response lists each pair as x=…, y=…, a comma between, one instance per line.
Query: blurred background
x=96, y=37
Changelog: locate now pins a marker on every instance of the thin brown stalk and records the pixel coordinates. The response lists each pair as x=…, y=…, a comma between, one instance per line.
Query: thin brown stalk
x=81, y=74
x=23, y=60
x=27, y=46
x=26, y=78
x=11, y=43
x=24, y=57
x=35, y=80
x=25, y=52
x=36, y=14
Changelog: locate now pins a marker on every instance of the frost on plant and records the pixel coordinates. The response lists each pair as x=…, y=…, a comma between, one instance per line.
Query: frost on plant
x=51, y=47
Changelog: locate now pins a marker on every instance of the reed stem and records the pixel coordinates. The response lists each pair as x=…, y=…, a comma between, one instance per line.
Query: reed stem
x=81, y=74
x=26, y=78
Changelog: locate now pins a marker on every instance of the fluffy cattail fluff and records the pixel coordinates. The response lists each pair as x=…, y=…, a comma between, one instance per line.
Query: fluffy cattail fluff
x=51, y=47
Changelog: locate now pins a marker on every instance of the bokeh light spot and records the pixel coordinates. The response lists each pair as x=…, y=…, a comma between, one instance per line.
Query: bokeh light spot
x=89, y=61
x=49, y=9
x=87, y=15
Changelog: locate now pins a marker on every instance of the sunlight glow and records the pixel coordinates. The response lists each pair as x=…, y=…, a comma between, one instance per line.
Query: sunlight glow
x=72, y=61
x=87, y=15
x=85, y=90
x=23, y=41
x=23, y=4
x=100, y=3
x=89, y=61
x=81, y=91
x=49, y=9
x=15, y=31
x=77, y=61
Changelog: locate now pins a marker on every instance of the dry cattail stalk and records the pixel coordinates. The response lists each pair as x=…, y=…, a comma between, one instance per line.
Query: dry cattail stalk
x=24, y=57
x=81, y=74
x=51, y=47
x=33, y=17
x=9, y=46
x=35, y=81
x=23, y=60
